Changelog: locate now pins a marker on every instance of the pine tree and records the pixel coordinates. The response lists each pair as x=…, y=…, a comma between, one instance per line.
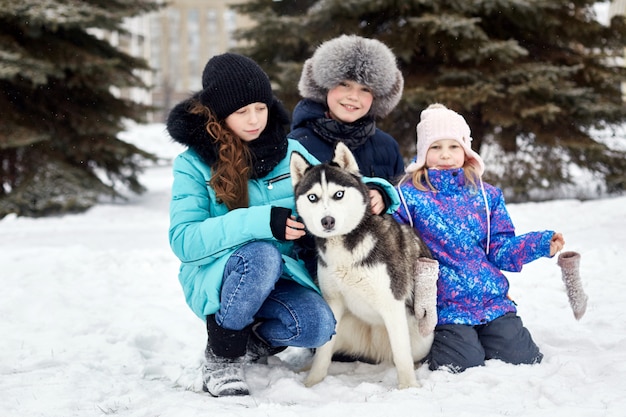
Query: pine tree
x=533, y=77
x=58, y=146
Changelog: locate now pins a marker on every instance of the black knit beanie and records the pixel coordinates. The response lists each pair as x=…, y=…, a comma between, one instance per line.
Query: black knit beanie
x=231, y=81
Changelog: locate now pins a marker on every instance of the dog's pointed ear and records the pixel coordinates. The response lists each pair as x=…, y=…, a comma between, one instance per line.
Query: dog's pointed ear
x=344, y=158
x=297, y=166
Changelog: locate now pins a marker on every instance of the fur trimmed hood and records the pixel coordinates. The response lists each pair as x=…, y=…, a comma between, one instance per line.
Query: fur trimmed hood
x=350, y=57
x=189, y=130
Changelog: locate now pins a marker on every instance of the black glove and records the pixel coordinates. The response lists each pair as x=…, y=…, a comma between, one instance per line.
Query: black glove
x=278, y=221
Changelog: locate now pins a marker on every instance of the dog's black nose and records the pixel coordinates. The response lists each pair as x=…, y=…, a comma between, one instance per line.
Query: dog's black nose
x=328, y=222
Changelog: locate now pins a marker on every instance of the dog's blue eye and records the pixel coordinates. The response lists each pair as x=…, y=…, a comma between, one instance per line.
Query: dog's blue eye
x=312, y=198
x=339, y=195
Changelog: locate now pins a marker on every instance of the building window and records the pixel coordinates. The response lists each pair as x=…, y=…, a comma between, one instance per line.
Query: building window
x=213, y=33
x=155, y=48
x=174, y=48
x=193, y=52
x=230, y=25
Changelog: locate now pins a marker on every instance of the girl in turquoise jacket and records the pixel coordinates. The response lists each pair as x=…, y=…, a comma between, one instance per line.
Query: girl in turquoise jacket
x=465, y=224
x=233, y=224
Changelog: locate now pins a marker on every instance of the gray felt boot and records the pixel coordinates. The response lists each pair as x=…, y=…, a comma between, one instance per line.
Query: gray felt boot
x=425, y=294
x=570, y=269
x=258, y=350
x=223, y=374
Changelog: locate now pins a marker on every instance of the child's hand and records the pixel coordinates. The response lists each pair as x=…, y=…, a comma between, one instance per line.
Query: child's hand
x=556, y=243
x=376, y=201
x=295, y=229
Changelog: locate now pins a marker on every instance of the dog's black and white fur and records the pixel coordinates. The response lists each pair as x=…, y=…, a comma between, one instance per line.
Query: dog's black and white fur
x=375, y=274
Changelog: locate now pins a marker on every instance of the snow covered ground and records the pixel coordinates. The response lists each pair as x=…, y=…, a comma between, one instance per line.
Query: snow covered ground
x=93, y=323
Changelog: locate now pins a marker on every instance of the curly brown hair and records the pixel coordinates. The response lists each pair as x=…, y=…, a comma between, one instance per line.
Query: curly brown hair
x=231, y=170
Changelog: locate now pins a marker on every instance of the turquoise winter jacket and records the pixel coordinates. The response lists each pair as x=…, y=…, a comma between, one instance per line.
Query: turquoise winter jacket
x=203, y=234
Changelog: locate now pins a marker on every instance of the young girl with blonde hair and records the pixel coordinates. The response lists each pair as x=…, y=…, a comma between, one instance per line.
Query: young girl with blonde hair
x=465, y=223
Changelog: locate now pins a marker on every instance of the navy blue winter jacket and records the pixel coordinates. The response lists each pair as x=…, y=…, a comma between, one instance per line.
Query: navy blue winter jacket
x=378, y=156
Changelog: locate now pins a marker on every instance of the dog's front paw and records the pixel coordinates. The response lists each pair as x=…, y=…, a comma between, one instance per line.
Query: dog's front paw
x=409, y=383
x=312, y=380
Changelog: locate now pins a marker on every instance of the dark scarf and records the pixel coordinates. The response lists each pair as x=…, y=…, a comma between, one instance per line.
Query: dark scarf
x=352, y=134
x=267, y=150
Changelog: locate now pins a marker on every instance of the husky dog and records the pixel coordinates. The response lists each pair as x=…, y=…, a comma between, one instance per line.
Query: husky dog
x=377, y=276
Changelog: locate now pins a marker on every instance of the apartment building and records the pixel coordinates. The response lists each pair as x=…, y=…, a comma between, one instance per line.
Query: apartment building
x=177, y=41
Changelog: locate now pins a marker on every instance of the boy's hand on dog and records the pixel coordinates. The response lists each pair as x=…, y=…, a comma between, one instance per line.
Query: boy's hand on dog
x=376, y=201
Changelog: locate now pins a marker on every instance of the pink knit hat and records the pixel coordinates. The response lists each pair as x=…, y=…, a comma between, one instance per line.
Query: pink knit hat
x=438, y=122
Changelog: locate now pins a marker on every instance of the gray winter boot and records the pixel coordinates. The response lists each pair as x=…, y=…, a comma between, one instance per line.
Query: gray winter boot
x=425, y=294
x=258, y=350
x=570, y=271
x=222, y=374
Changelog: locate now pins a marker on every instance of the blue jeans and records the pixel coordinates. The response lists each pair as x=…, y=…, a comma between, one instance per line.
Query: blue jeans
x=287, y=313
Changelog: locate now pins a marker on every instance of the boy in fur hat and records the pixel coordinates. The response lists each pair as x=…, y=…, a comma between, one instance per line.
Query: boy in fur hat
x=348, y=83
x=465, y=224
x=231, y=224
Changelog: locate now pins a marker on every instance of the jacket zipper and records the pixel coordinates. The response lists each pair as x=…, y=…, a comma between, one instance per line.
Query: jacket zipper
x=271, y=181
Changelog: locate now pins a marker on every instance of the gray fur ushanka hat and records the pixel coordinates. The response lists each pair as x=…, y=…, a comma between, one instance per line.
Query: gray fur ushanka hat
x=350, y=57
